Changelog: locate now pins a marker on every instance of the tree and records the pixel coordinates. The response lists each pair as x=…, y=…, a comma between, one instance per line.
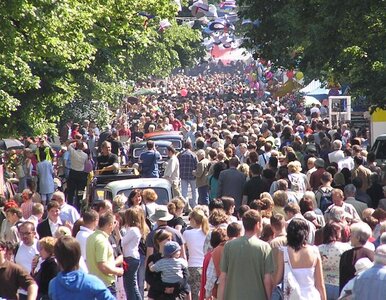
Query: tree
x=340, y=41
x=55, y=54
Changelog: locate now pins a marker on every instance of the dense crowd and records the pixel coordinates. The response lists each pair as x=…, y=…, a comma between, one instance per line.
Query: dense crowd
x=281, y=203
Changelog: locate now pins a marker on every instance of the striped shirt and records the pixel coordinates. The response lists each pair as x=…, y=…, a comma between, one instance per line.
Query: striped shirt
x=188, y=163
x=171, y=269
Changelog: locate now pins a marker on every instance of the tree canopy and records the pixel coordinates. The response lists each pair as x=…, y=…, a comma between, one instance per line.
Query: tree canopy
x=57, y=55
x=339, y=41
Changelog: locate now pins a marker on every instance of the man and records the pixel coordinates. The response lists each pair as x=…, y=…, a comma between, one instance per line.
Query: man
x=72, y=283
x=231, y=182
x=172, y=171
x=107, y=162
x=161, y=218
x=243, y=153
x=362, y=172
x=349, y=192
x=201, y=174
x=246, y=276
x=37, y=214
x=255, y=186
x=77, y=178
x=49, y=226
x=371, y=283
x=45, y=172
x=336, y=155
x=292, y=211
x=264, y=157
x=148, y=161
x=188, y=163
x=338, y=200
x=315, y=178
x=90, y=222
x=13, y=277
x=68, y=213
x=347, y=161
x=26, y=251
x=100, y=255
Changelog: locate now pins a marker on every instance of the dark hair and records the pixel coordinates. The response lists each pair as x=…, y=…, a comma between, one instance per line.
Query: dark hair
x=90, y=216
x=67, y=253
x=242, y=210
x=188, y=145
x=218, y=236
x=228, y=203
x=267, y=233
x=326, y=177
x=53, y=204
x=255, y=169
x=132, y=195
x=306, y=204
x=160, y=236
x=250, y=219
x=358, y=160
x=200, y=144
x=273, y=162
x=357, y=182
x=217, y=217
x=171, y=149
x=76, y=226
x=105, y=219
x=216, y=203
x=217, y=168
x=331, y=233
x=297, y=233
x=277, y=221
x=233, y=230
x=150, y=144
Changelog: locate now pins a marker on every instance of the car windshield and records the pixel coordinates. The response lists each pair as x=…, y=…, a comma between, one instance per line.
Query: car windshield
x=163, y=196
x=379, y=148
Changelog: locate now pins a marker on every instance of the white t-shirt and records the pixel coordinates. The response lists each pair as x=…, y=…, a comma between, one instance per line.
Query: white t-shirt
x=81, y=237
x=195, y=239
x=130, y=242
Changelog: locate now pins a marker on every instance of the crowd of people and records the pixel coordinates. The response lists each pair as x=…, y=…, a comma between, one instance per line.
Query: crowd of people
x=281, y=203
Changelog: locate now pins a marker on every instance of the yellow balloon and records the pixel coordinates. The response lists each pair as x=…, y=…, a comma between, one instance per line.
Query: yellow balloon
x=299, y=75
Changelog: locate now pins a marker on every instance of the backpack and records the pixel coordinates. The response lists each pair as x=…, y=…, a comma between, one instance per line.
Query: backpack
x=325, y=198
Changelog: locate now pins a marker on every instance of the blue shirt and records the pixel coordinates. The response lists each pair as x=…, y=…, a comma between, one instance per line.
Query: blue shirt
x=149, y=163
x=371, y=284
x=188, y=163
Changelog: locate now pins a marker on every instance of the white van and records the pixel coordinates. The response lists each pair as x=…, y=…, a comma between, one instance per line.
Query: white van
x=161, y=186
x=379, y=148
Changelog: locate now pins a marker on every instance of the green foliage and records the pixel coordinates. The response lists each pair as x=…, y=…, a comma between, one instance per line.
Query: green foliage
x=336, y=40
x=60, y=58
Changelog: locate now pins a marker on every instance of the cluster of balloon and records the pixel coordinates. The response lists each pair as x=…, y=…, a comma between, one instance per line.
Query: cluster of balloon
x=291, y=74
x=163, y=25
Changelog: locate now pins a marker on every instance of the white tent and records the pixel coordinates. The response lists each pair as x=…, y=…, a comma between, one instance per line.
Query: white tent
x=312, y=86
x=309, y=101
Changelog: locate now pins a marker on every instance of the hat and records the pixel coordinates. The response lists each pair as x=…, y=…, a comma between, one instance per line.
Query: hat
x=161, y=214
x=300, y=128
x=362, y=264
x=170, y=248
x=319, y=163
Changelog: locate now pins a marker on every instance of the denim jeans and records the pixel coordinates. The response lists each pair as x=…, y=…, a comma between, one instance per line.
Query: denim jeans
x=203, y=196
x=130, y=279
x=141, y=276
x=332, y=291
x=184, y=190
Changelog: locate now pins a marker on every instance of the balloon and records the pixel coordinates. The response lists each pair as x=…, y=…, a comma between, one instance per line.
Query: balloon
x=299, y=75
x=290, y=74
x=257, y=85
x=184, y=92
x=269, y=75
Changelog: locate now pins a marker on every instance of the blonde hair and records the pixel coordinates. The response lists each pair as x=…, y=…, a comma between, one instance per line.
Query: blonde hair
x=134, y=217
x=119, y=202
x=63, y=231
x=48, y=244
x=149, y=195
x=266, y=195
x=280, y=198
x=175, y=205
x=244, y=168
x=200, y=219
x=294, y=167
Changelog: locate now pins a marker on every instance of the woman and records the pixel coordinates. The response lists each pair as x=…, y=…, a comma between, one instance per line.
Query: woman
x=331, y=251
x=309, y=210
x=303, y=260
x=48, y=268
x=156, y=291
x=299, y=183
x=149, y=197
x=195, y=239
x=229, y=207
x=213, y=179
x=135, y=231
x=135, y=198
x=176, y=208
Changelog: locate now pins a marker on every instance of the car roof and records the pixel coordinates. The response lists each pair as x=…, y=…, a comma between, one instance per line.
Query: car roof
x=157, y=143
x=137, y=183
x=151, y=135
x=381, y=137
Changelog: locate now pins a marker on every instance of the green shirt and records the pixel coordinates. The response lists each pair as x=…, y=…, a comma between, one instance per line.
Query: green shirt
x=246, y=261
x=99, y=249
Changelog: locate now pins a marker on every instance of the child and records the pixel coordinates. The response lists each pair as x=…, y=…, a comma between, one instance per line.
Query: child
x=171, y=265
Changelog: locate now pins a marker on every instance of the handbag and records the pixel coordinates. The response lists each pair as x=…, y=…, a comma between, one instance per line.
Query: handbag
x=291, y=287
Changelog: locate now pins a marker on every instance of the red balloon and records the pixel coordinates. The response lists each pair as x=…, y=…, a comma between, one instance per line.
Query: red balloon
x=290, y=74
x=184, y=92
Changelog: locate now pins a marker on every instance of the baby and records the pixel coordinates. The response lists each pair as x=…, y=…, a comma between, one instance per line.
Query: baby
x=171, y=265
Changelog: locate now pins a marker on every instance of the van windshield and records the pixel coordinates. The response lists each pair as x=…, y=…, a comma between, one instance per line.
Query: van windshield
x=379, y=148
x=163, y=196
